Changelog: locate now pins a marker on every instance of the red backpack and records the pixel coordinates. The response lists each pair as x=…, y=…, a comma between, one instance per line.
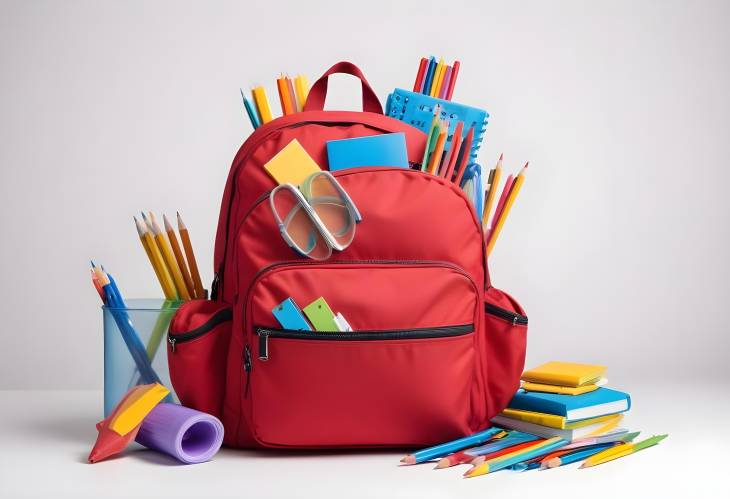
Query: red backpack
x=436, y=351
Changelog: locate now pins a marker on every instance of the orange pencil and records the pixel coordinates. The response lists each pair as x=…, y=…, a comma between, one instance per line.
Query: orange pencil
x=464, y=156
x=179, y=256
x=435, y=159
x=453, y=155
x=185, y=238
x=284, y=98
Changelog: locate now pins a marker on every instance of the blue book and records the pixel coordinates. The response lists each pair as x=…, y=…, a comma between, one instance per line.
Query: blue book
x=376, y=150
x=573, y=407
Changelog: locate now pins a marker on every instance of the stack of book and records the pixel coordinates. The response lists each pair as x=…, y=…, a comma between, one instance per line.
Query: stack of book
x=566, y=400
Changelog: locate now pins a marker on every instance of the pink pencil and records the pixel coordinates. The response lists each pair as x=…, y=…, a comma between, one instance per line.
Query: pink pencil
x=445, y=84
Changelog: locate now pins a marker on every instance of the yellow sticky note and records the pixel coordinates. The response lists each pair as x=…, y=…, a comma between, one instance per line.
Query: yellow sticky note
x=292, y=164
x=135, y=406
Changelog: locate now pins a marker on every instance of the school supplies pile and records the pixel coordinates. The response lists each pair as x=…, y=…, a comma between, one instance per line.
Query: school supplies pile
x=561, y=415
x=292, y=97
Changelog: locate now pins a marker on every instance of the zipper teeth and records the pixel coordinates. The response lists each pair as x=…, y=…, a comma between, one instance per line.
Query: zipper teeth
x=505, y=314
x=370, y=335
x=218, y=318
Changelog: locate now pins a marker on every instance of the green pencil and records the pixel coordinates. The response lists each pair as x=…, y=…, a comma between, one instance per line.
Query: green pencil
x=621, y=451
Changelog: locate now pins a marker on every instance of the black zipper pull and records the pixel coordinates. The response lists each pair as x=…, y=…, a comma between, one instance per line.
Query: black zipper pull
x=263, y=344
x=214, y=286
x=247, y=366
x=171, y=340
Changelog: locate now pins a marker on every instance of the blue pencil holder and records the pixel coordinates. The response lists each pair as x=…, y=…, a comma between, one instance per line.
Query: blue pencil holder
x=135, y=349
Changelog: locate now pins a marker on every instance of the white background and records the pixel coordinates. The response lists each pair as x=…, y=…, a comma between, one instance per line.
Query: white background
x=617, y=247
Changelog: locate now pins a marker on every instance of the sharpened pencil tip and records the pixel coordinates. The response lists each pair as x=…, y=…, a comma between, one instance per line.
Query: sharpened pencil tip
x=501, y=156
x=409, y=459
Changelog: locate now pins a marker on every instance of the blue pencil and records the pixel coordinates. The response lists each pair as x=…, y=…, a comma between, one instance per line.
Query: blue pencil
x=576, y=456
x=429, y=75
x=251, y=111
x=513, y=438
x=447, y=448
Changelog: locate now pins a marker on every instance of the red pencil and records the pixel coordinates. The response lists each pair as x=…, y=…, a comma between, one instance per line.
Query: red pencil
x=501, y=452
x=456, y=141
x=419, y=76
x=452, y=82
x=464, y=156
x=460, y=457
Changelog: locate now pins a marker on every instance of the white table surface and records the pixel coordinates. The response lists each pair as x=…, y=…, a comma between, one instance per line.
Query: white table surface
x=45, y=437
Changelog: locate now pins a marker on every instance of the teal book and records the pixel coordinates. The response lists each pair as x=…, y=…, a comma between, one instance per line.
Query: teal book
x=388, y=149
x=599, y=402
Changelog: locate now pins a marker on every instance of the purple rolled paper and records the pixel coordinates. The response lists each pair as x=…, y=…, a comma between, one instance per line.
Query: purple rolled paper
x=186, y=434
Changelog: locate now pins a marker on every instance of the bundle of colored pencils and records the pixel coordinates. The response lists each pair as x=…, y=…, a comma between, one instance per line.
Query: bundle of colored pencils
x=436, y=78
x=178, y=277
x=510, y=190
x=508, y=449
x=292, y=97
x=449, y=164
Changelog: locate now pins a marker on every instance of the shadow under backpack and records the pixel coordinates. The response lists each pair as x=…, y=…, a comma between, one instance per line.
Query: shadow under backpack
x=436, y=351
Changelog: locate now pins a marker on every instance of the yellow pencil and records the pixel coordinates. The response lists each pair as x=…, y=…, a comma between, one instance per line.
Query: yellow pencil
x=262, y=103
x=153, y=253
x=187, y=245
x=179, y=257
x=169, y=259
x=438, y=77
x=621, y=451
x=301, y=88
x=498, y=224
x=492, y=194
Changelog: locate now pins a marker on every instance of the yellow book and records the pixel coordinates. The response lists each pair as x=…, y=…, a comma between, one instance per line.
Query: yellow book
x=564, y=374
x=552, y=420
x=292, y=164
x=562, y=390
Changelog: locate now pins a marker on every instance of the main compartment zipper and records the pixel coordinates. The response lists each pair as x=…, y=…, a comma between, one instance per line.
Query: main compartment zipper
x=371, y=335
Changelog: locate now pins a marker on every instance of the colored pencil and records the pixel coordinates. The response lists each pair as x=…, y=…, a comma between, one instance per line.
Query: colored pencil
x=461, y=457
x=615, y=436
x=437, y=78
x=420, y=75
x=262, y=104
x=464, y=157
x=504, y=212
x=155, y=257
x=251, y=111
x=537, y=449
x=179, y=257
x=187, y=245
x=284, y=98
x=430, y=142
x=169, y=259
x=456, y=141
x=292, y=94
x=445, y=83
x=495, y=175
x=301, y=87
x=429, y=76
x=574, y=455
x=487, y=452
x=452, y=82
x=622, y=450
x=449, y=447
x=435, y=159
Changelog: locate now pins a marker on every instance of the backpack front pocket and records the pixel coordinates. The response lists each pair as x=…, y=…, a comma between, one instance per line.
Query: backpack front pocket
x=410, y=356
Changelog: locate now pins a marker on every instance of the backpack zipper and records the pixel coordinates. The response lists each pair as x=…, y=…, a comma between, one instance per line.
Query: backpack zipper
x=368, y=335
x=218, y=318
x=515, y=319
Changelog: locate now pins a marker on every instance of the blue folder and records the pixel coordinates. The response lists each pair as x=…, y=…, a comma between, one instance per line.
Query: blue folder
x=376, y=150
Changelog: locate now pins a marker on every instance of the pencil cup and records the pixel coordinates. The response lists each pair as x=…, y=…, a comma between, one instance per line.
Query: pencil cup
x=134, y=349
